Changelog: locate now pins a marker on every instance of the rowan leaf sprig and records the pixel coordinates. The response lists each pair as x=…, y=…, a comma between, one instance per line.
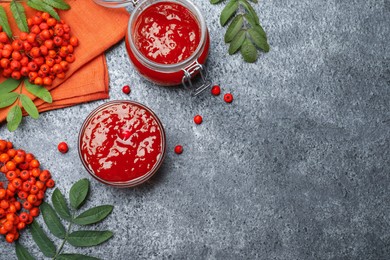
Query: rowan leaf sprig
x=244, y=33
x=18, y=100
x=52, y=217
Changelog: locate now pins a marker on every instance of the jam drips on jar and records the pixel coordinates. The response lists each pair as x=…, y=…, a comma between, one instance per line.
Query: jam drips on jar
x=121, y=142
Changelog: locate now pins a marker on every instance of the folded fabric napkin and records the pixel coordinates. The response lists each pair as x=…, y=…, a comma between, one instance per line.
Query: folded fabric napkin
x=97, y=28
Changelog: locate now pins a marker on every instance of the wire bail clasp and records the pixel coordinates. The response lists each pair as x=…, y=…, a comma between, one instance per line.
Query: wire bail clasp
x=189, y=72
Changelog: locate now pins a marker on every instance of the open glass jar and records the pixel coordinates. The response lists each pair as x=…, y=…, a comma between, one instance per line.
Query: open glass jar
x=166, y=72
x=122, y=143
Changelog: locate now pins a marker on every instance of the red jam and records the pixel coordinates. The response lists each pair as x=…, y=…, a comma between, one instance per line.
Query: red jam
x=166, y=33
x=121, y=142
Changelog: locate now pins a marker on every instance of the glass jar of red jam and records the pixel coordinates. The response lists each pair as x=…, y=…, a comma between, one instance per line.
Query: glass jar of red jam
x=122, y=143
x=167, y=41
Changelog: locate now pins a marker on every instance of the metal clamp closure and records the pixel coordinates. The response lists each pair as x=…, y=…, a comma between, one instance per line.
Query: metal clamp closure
x=189, y=72
x=135, y=2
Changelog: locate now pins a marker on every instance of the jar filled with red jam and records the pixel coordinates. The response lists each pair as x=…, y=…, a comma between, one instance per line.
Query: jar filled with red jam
x=167, y=41
x=122, y=143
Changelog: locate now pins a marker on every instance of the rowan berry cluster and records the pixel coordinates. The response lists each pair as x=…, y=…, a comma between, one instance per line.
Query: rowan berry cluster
x=20, y=200
x=42, y=55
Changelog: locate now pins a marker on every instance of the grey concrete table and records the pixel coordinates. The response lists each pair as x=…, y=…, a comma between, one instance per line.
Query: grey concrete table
x=297, y=167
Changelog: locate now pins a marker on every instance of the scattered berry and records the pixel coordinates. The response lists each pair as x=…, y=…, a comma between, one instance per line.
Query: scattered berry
x=198, y=119
x=216, y=90
x=126, y=89
x=228, y=98
x=178, y=149
x=63, y=147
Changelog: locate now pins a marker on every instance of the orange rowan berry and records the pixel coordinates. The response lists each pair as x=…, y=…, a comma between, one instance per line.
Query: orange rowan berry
x=34, y=212
x=10, y=237
x=34, y=163
x=10, y=165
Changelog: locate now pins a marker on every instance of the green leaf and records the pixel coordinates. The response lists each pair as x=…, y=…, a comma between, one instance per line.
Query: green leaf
x=234, y=27
x=59, y=4
x=78, y=193
x=14, y=117
x=237, y=42
x=250, y=19
x=93, y=215
x=228, y=11
x=59, y=204
x=88, y=238
x=8, y=99
x=41, y=6
x=250, y=10
x=248, y=51
x=260, y=30
x=259, y=40
x=4, y=22
x=254, y=1
x=19, y=14
x=22, y=253
x=52, y=221
x=75, y=257
x=38, y=91
x=44, y=243
x=8, y=85
x=29, y=106
x=215, y=1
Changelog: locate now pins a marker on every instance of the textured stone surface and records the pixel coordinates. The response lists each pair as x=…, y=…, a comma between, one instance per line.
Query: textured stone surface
x=297, y=167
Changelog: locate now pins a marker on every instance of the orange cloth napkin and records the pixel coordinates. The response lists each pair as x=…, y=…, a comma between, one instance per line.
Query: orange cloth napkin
x=97, y=28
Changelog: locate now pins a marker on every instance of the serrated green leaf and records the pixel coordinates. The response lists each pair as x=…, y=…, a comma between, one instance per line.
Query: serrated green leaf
x=4, y=22
x=59, y=4
x=29, y=106
x=259, y=40
x=88, y=238
x=237, y=42
x=8, y=99
x=52, y=221
x=228, y=11
x=75, y=257
x=248, y=51
x=41, y=6
x=14, y=117
x=60, y=205
x=78, y=193
x=250, y=19
x=234, y=27
x=8, y=85
x=251, y=12
x=43, y=242
x=93, y=215
x=38, y=91
x=260, y=30
x=19, y=14
x=22, y=253
x=215, y=1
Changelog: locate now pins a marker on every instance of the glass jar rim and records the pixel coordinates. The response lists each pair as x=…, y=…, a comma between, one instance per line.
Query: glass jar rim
x=140, y=179
x=175, y=66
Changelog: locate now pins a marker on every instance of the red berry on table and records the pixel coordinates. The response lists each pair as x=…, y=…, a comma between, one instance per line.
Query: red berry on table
x=216, y=90
x=178, y=149
x=228, y=98
x=198, y=119
x=63, y=147
x=126, y=89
